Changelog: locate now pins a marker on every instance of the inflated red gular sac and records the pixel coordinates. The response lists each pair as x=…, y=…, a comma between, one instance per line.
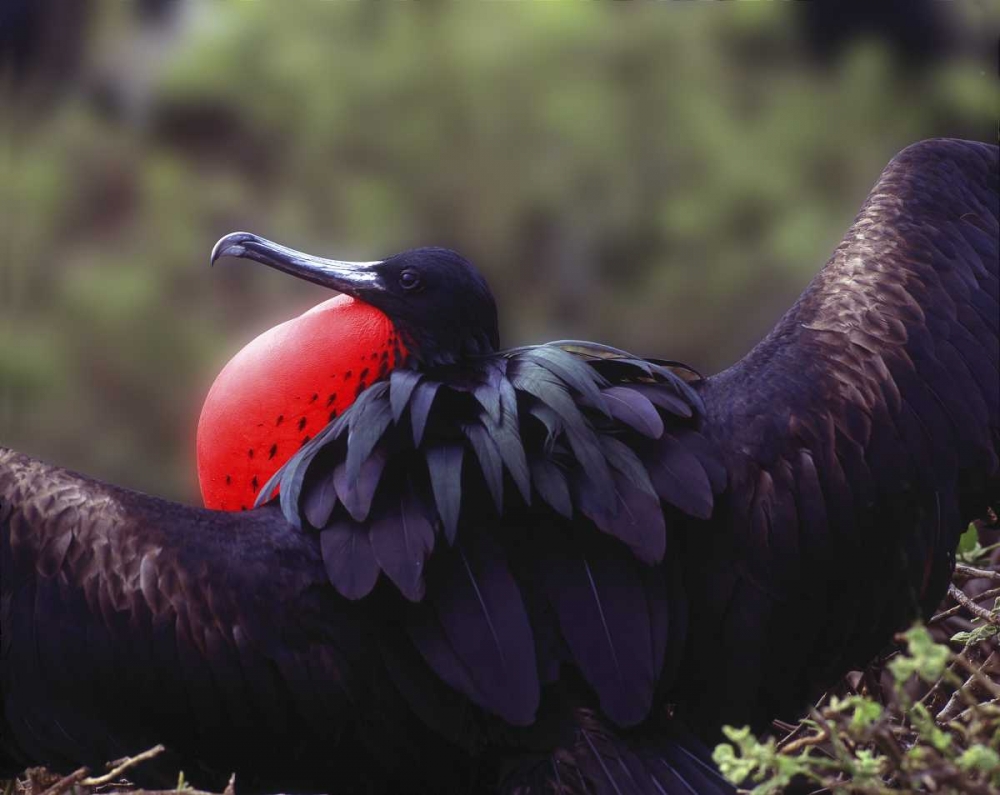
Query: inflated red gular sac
x=282, y=388
x=289, y=383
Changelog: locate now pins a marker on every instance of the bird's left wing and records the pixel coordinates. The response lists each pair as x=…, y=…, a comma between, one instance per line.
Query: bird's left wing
x=127, y=621
x=523, y=505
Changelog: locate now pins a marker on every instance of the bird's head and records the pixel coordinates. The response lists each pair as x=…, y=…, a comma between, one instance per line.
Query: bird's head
x=421, y=308
x=439, y=304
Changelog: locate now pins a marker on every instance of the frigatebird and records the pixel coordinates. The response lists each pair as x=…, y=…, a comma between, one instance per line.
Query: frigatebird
x=555, y=568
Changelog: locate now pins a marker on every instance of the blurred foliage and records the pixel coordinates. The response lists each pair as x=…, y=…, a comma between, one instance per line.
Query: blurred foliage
x=662, y=177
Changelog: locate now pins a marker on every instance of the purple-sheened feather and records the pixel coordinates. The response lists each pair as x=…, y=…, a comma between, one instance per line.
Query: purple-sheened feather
x=634, y=409
x=319, y=501
x=488, y=392
x=654, y=584
x=348, y=558
x=679, y=479
x=357, y=495
x=547, y=417
x=596, y=588
x=481, y=611
x=429, y=638
x=420, y=407
x=402, y=382
x=573, y=371
x=366, y=427
x=441, y=707
x=535, y=380
x=587, y=450
x=637, y=519
x=706, y=453
x=402, y=538
x=508, y=444
x=664, y=397
x=490, y=463
x=508, y=439
x=550, y=482
x=444, y=465
x=622, y=458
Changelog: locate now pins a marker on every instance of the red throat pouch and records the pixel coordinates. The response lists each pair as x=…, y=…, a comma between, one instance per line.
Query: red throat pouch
x=283, y=388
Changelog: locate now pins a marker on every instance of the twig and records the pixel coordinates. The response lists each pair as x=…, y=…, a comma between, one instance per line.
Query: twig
x=962, y=694
x=67, y=782
x=967, y=713
x=980, y=612
x=982, y=679
x=125, y=764
x=947, y=679
x=803, y=742
x=168, y=792
x=958, y=608
x=840, y=750
x=971, y=572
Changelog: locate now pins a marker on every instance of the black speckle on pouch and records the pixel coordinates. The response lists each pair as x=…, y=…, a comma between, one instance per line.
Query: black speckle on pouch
x=305, y=441
x=281, y=419
x=273, y=451
x=253, y=483
x=228, y=480
x=333, y=416
x=250, y=453
x=314, y=398
x=348, y=374
x=364, y=374
x=329, y=400
x=302, y=423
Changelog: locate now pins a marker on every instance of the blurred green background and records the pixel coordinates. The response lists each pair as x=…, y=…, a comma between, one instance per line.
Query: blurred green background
x=664, y=177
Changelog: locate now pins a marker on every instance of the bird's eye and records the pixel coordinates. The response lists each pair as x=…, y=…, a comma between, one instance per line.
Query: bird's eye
x=409, y=280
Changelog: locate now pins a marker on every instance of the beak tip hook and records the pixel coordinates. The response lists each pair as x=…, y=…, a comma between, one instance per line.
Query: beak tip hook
x=229, y=246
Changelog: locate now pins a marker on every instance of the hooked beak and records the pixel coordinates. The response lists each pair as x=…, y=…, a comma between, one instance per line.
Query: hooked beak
x=354, y=278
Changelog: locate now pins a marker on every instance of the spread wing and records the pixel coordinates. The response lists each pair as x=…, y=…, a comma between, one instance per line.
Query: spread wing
x=522, y=504
x=129, y=621
x=861, y=436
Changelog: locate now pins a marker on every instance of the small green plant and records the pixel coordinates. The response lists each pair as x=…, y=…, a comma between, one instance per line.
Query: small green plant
x=946, y=740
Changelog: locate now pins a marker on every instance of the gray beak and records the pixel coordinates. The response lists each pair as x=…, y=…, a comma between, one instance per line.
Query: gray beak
x=354, y=278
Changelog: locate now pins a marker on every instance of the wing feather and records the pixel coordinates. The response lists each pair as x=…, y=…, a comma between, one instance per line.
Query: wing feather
x=485, y=647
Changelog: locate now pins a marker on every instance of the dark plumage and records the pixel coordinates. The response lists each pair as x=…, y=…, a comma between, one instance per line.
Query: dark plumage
x=497, y=568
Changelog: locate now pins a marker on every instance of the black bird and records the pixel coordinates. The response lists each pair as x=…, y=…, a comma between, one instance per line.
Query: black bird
x=547, y=569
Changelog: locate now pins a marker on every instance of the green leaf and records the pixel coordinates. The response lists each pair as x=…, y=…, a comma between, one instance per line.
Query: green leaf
x=923, y=657
x=969, y=539
x=979, y=757
x=969, y=549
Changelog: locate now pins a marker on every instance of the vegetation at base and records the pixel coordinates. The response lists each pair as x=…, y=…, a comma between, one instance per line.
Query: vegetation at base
x=925, y=718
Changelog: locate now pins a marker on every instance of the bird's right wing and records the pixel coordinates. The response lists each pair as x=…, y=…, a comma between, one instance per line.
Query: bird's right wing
x=861, y=436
